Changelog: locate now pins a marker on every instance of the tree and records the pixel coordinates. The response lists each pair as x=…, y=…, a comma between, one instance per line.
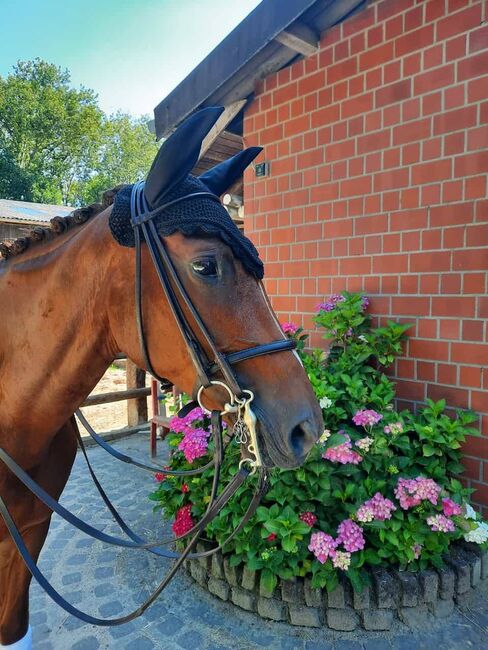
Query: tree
x=127, y=149
x=49, y=132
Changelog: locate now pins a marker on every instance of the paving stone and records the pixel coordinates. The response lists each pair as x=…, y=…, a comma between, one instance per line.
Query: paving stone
x=88, y=643
x=313, y=597
x=104, y=572
x=71, y=578
x=385, y=588
x=272, y=608
x=108, y=610
x=447, y=580
x=459, y=563
x=248, y=579
x=264, y=591
x=217, y=566
x=344, y=620
x=484, y=565
x=410, y=588
x=170, y=626
x=362, y=599
x=140, y=643
x=305, y=616
x=429, y=586
x=377, y=619
x=190, y=640
x=219, y=588
x=376, y=644
x=414, y=617
x=337, y=598
x=198, y=573
x=292, y=591
x=244, y=599
x=348, y=645
x=104, y=589
x=232, y=573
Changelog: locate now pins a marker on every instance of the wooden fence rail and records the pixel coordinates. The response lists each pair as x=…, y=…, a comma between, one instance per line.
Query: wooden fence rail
x=136, y=394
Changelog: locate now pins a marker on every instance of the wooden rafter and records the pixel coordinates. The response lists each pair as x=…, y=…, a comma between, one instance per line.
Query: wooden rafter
x=300, y=38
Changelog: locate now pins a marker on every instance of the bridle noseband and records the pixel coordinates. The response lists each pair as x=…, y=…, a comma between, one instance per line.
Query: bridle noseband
x=142, y=219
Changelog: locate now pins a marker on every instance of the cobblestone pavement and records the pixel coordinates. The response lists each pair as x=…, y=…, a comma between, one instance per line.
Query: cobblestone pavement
x=108, y=581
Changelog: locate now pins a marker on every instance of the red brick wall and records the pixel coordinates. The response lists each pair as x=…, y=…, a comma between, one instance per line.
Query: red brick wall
x=377, y=148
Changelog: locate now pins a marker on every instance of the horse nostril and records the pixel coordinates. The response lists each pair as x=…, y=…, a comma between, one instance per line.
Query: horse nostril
x=302, y=439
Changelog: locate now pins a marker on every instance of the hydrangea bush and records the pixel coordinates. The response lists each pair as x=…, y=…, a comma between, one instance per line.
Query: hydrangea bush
x=379, y=488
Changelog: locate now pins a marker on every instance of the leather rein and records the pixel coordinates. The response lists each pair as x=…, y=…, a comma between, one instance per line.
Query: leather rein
x=206, y=366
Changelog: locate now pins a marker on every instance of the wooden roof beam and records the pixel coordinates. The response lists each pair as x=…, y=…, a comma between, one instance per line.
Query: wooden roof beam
x=226, y=118
x=299, y=38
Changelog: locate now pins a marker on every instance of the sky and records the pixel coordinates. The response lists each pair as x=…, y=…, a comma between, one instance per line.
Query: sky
x=132, y=53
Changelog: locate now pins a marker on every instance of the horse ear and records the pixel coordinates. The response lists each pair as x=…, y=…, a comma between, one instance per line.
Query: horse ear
x=224, y=175
x=179, y=154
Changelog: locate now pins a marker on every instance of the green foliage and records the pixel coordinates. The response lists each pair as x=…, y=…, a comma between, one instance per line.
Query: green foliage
x=347, y=379
x=56, y=145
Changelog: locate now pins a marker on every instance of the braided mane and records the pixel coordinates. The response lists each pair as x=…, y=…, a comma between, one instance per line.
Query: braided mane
x=58, y=225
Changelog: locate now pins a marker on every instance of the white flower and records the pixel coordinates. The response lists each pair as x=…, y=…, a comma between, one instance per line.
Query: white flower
x=363, y=338
x=324, y=437
x=479, y=535
x=325, y=402
x=470, y=512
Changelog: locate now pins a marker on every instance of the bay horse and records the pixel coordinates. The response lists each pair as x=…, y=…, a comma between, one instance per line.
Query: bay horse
x=68, y=309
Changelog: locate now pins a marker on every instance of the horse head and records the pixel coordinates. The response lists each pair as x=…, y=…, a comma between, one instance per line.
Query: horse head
x=219, y=305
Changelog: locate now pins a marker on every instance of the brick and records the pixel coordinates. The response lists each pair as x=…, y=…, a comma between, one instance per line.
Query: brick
x=430, y=262
x=473, y=259
x=412, y=131
x=456, y=120
x=430, y=172
x=471, y=164
x=456, y=306
x=434, y=79
x=396, y=92
x=417, y=40
x=376, y=56
x=455, y=213
x=431, y=350
x=377, y=619
x=474, y=66
x=344, y=620
x=459, y=22
x=271, y=608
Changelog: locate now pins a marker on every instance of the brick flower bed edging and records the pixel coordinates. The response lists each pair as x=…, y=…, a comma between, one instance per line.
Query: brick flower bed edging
x=410, y=597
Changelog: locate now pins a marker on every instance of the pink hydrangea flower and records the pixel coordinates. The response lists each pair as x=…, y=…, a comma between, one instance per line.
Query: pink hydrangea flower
x=330, y=303
x=194, y=444
x=364, y=444
x=417, y=549
x=343, y=453
x=450, y=507
x=350, y=535
x=341, y=560
x=183, y=521
x=309, y=518
x=378, y=507
x=366, y=417
x=322, y=546
x=183, y=425
x=441, y=524
x=289, y=328
x=394, y=427
x=411, y=492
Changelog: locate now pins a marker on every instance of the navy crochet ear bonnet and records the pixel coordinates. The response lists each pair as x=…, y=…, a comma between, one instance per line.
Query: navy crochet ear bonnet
x=200, y=216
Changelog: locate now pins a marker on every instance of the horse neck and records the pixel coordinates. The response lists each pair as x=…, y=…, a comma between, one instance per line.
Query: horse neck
x=57, y=340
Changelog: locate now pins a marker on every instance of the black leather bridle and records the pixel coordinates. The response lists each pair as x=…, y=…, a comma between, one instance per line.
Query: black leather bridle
x=205, y=366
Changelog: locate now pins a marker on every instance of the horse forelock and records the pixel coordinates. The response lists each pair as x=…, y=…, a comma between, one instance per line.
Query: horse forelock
x=58, y=226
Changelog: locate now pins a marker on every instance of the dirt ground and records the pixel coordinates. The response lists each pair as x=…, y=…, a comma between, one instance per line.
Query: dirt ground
x=109, y=417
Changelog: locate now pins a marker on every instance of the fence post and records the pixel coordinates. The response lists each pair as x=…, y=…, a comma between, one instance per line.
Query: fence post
x=136, y=408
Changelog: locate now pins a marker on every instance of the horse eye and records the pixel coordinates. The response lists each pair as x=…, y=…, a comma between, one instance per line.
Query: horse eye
x=206, y=267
